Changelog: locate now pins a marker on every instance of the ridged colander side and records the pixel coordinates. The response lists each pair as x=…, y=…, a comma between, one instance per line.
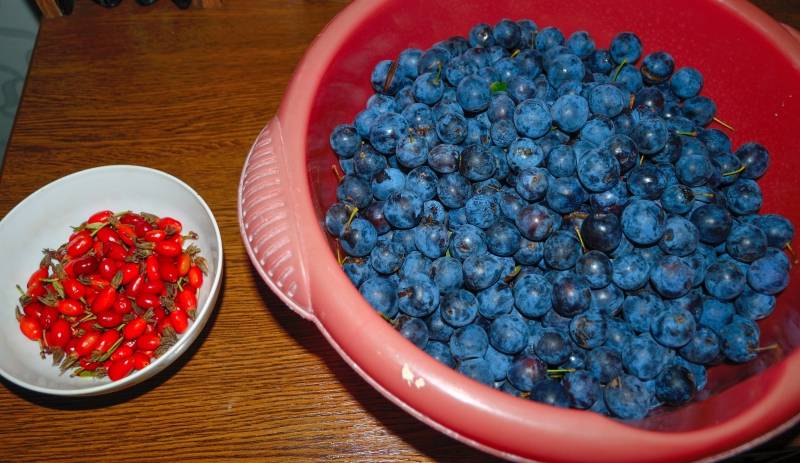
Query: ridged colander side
x=268, y=225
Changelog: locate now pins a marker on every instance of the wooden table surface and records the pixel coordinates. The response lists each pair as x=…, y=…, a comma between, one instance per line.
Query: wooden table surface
x=187, y=92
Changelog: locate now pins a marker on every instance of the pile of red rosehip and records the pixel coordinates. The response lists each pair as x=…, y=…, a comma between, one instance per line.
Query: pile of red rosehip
x=115, y=296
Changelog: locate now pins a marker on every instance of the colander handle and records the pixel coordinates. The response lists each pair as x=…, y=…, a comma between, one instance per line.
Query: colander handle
x=268, y=222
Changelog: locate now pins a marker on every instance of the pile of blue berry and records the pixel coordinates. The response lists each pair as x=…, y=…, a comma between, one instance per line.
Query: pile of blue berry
x=553, y=220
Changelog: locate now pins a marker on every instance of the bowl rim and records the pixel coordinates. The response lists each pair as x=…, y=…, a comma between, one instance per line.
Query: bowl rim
x=293, y=128
x=184, y=341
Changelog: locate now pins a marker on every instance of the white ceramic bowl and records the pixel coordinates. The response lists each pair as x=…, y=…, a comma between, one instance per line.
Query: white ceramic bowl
x=42, y=220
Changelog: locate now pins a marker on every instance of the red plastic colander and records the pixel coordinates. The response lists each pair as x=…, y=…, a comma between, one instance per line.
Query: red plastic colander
x=751, y=66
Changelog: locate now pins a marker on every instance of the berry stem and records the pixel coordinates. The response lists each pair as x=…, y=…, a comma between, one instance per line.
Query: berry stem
x=580, y=238
x=791, y=252
x=107, y=354
x=352, y=216
x=619, y=69
x=68, y=362
x=44, y=349
x=510, y=277
x=86, y=318
x=98, y=228
x=336, y=172
x=705, y=195
x=438, y=79
x=724, y=124
x=516, y=52
x=389, y=76
x=575, y=215
x=339, y=254
x=685, y=133
x=772, y=346
x=734, y=172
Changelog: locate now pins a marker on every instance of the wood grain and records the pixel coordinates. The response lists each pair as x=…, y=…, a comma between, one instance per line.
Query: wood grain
x=187, y=92
x=208, y=3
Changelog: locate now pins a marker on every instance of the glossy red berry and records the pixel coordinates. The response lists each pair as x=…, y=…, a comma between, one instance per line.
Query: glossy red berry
x=168, y=271
x=33, y=309
x=85, y=265
x=30, y=328
x=168, y=248
x=87, y=364
x=129, y=272
x=59, y=334
x=120, y=368
x=80, y=244
x=148, y=301
x=48, y=316
x=186, y=299
x=108, y=268
x=70, y=307
x=163, y=324
x=134, y=328
x=107, y=339
x=87, y=343
x=155, y=236
x=153, y=287
x=176, y=239
x=73, y=288
x=170, y=225
x=99, y=217
x=35, y=278
x=148, y=342
x=104, y=300
x=184, y=264
x=97, y=282
x=108, y=235
x=195, y=277
x=151, y=268
x=158, y=314
x=140, y=360
x=109, y=319
x=126, y=234
x=72, y=346
x=130, y=218
x=121, y=352
x=36, y=289
x=135, y=287
x=122, y=305
x=179, y=320
x=141, y=228
x=114, y=251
